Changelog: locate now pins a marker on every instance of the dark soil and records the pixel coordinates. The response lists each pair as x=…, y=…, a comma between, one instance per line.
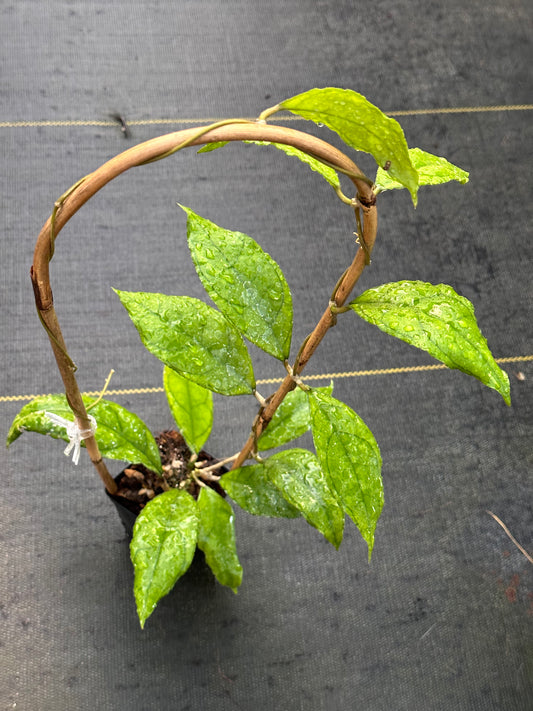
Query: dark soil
x=137, y=485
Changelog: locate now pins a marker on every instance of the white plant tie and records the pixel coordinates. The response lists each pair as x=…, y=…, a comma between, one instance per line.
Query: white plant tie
x=74, y=433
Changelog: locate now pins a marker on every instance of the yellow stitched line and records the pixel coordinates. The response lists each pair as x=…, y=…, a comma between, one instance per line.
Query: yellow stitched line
x=179, y=121
x=387, y=371
x=462, y=110
x=269, y=381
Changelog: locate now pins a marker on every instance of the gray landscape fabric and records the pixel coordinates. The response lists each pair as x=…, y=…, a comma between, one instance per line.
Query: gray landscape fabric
x=441, y=618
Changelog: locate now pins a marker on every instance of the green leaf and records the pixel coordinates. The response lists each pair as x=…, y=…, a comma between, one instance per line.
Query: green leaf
x=120, y=434
x=437, y=320
x=349, y=457
x=362, y=126
x=431, y=169
x=251, y=488
x=216, y=537
x=31, y=418
x=291, y=420
x=212, y=146
x=244, y=282
x=193, y=339
x=191, y=406
x=162, y=548
x=299, y=478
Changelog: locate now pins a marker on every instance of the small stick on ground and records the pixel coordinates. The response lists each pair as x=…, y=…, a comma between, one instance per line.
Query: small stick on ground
x=513, y=539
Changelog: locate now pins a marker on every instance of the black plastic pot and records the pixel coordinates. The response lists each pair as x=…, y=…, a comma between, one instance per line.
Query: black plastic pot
x=126, y=515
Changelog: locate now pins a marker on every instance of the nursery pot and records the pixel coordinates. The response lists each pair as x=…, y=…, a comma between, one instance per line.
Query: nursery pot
x=127, y=515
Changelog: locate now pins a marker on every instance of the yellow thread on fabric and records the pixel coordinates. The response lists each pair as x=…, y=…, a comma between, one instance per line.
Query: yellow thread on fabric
x=34, y=124
x=461, y=110
x=180, y=121
x=270, y=381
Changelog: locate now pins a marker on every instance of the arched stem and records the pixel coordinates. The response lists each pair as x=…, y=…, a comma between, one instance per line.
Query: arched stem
x=147, y=152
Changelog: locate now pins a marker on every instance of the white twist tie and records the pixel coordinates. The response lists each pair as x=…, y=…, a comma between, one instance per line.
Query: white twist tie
x=74, y=433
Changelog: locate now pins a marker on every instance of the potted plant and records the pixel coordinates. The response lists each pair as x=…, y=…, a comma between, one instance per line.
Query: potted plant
x=183, y=494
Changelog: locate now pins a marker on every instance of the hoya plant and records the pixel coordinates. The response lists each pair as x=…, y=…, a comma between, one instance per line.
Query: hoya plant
x=202, y=346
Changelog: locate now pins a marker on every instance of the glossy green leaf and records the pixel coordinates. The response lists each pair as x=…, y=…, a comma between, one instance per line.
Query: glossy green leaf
x=216, y=537
x=31, y=418
x=193, y=339
x=431, y=169
x=191, y=406
x=437, y=320
x=349, y=457
x=250, y=487
x=291, y=420
x=362, y=126
x=120, y=434
x=244, y=282
x=162, y=548
x=299, y=478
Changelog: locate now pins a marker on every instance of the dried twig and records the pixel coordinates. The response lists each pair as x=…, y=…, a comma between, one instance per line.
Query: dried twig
x=520, y=548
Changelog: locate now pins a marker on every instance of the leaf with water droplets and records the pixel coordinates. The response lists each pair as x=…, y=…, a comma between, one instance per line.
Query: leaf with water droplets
x=299, y=478
x=362, y=126
x=439, y=321
x=216, y=538
x=123, y=435
x=251, y=488
x=120, y=434
x=32, y=418
x=191, y=406
x=291, y=420
x=244, y=282
x=431, y=169
x=349, y=457
x=193, y=339
x=162, y=547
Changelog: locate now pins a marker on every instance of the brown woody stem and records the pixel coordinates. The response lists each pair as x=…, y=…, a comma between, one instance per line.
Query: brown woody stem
x=73, y=199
